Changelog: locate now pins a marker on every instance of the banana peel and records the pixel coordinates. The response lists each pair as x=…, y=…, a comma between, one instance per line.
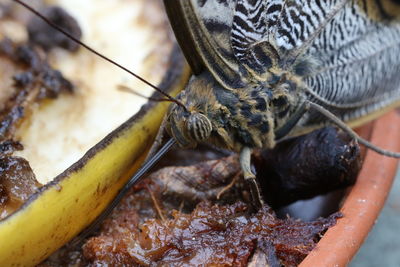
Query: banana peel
x=66, y=205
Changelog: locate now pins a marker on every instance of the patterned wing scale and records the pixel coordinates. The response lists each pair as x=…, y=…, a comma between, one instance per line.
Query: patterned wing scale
x=358, y=63
x=286, y=27
x=248, y=27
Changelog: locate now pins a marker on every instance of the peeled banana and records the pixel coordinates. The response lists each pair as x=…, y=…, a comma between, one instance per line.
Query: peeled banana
x=67, y=204
x=74, y=198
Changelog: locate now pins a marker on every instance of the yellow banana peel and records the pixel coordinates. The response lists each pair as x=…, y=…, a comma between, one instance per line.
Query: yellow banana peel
x=70, y=202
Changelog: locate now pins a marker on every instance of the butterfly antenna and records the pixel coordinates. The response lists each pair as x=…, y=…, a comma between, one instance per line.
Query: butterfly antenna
x=55, y=26
x=127, y=89
x=330, y=116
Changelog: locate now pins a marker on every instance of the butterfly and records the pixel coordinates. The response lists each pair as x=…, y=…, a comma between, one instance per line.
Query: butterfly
x=265, y=70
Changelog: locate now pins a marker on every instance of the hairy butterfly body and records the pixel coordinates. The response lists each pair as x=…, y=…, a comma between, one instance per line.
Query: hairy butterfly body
x=260, y=65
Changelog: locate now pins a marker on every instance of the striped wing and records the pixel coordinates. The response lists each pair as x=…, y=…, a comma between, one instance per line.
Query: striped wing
x=202, y=28
x=358, y=72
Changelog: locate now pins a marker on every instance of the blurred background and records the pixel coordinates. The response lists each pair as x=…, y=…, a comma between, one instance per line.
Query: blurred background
x=382, y=247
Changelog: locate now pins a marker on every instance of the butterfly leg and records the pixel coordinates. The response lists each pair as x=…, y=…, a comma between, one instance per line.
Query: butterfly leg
x=245, y=158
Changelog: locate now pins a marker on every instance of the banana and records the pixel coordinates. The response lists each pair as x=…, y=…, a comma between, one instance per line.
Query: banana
x=67, y=204
x=63, y=207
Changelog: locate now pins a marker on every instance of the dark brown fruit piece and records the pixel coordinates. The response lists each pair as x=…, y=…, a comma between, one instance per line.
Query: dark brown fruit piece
x=42, y=34
x=310, y=165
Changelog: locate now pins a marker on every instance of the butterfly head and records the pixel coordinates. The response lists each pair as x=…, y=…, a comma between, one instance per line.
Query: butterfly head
x=188, y=129
x=188, y=124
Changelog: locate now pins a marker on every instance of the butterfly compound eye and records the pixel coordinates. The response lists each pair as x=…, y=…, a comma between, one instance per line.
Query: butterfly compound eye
x=198, y=126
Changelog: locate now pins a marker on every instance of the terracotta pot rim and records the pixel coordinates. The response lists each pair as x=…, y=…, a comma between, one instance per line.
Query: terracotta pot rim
x=365, y=200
